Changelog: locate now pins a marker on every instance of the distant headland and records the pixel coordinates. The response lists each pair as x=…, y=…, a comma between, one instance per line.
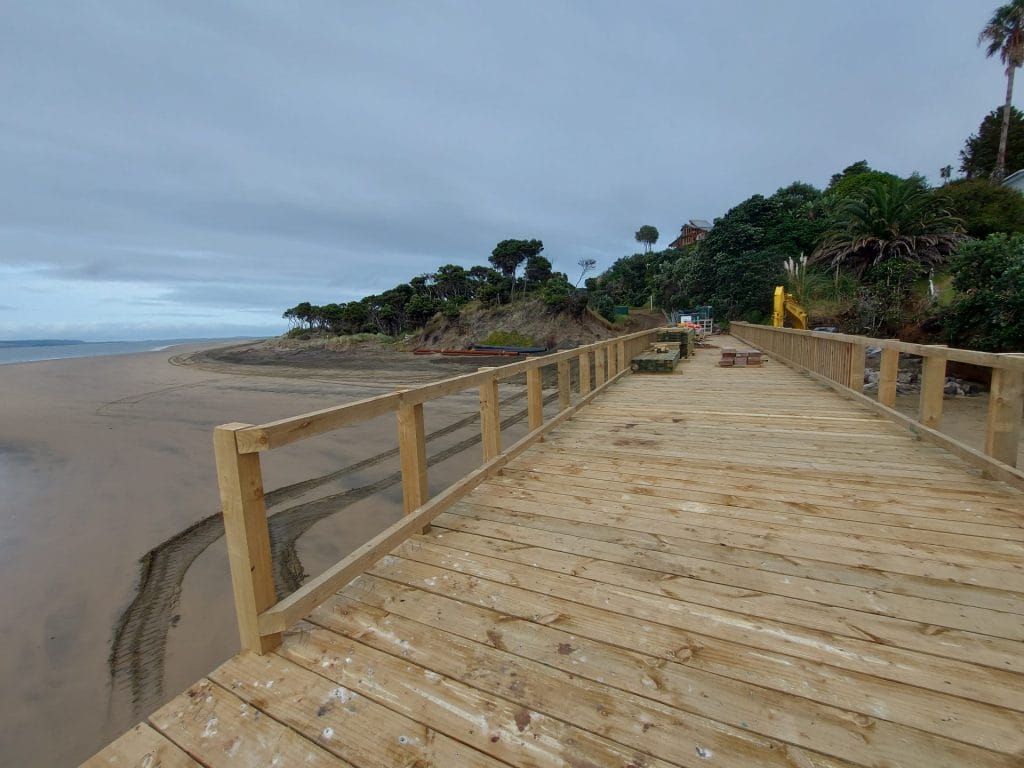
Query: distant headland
x=14, y=343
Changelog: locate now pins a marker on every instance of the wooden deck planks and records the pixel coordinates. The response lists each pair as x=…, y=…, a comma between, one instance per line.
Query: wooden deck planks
x=730, y=567
x=141, y=747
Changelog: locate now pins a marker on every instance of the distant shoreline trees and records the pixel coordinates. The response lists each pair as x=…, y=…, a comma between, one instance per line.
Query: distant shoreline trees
x=411, y=305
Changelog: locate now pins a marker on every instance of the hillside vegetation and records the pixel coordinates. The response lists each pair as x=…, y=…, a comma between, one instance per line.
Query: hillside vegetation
x=872, y=253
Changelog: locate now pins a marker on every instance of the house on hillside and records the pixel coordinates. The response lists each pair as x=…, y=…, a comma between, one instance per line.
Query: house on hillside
x=692, y=231
x=1015, y=181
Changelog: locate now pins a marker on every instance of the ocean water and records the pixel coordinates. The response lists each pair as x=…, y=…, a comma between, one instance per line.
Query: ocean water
x=33, y=350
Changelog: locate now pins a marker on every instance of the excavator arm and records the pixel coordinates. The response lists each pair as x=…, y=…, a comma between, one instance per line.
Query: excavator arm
x=786, y=306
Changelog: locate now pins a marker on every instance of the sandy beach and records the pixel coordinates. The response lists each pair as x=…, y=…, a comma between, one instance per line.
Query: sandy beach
x=117, y=589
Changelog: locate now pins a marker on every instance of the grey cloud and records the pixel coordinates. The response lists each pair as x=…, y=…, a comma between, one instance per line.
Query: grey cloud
x=250, y=155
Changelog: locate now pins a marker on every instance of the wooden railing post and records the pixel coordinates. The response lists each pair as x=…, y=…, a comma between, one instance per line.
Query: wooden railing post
x=1005, y=404
x=933, y=381
x=412, y=451
x=490, y=418
x=534, y=399
x=245, y=529
x=584, y=374
x=856, y=382
x=612, y=361
x=600, y=359
x=564, y=386
x=620, y=350
x=888, y=371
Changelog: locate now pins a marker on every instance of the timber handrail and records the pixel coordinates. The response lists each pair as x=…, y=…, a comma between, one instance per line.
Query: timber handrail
x=838, y=359
x=261, y=617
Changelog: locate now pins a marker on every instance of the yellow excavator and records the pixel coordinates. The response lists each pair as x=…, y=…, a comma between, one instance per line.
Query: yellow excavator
x=786, y=307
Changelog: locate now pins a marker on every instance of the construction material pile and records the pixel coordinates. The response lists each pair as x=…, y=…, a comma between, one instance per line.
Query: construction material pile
x=685, y=337
x=743, y=358
x=661, y=359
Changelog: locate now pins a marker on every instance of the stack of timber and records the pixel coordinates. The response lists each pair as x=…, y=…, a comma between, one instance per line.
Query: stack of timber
x=657, y=360
x=744, y=358
x=685, y=337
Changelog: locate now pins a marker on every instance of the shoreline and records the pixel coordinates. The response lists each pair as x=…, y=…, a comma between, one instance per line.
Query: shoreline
x=87, y=349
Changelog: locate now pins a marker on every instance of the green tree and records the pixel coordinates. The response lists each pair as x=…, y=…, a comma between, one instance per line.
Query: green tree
x=672, y=284
x=452, y=282
x=355, y=317
x=420, y=308
x=740, y=261
x=1004, y=35
x=537, y=271
x=988, y=312
x=557, y=292
x=332, y=317
x=890, y=219
x=985, y=207
x=647, y=235
x=629, y=280
x=979, y=156
x=302, y=314
x=480, y=276
x=854, y=169
x=509, y=254
x=851, y=182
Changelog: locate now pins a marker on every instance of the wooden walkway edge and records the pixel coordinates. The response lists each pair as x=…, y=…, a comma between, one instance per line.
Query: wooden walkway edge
x=716, y=567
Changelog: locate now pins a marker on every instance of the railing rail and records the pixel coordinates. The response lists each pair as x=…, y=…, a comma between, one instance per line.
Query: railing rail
x=261, y=617
x=839, y=360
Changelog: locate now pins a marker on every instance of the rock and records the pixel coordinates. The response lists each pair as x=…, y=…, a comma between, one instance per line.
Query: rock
x=951, y=388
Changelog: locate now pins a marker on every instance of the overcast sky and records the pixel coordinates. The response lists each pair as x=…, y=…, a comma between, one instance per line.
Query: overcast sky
x=193, y=168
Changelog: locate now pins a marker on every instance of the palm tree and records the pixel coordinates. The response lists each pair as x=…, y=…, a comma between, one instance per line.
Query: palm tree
x=890, y=218
x=1004, y=34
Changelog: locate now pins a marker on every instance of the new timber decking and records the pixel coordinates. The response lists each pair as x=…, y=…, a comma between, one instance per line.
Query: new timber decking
x=719, y=567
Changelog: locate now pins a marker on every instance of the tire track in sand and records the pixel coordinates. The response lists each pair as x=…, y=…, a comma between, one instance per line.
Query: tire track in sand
x=138, y=650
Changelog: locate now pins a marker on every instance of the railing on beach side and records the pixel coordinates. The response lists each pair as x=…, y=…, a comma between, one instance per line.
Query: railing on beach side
x=261, y=618
x=838, y=359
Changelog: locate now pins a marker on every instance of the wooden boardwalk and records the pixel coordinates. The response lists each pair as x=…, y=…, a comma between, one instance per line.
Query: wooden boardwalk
x=720, y=567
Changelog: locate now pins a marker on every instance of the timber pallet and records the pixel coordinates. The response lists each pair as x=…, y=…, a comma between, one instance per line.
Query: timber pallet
x=744, y=358
x=685, y=337
x=656, y=361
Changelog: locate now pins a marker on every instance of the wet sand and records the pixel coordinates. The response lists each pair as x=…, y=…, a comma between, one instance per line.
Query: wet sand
x=117, y=593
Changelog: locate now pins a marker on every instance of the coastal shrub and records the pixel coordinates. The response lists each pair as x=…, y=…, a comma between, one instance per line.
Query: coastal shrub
x=988, y=312
x=559, y=295
x=603, y=304
x=508, y=339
